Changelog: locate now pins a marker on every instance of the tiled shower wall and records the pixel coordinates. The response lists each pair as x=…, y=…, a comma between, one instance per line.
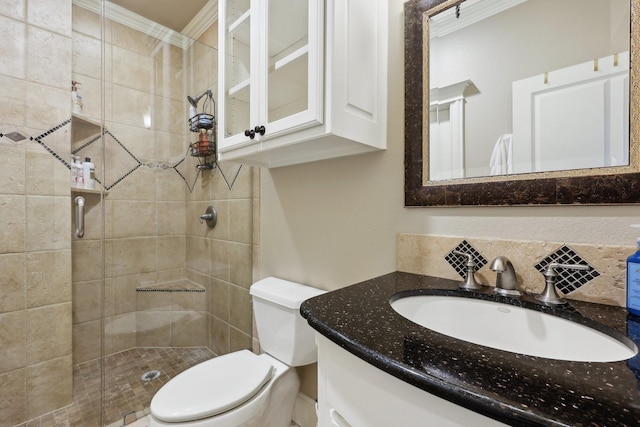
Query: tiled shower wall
x=35, y=231
x=153, y=234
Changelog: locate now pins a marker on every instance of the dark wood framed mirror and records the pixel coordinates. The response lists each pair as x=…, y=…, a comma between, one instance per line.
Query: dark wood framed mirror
x=592, y=185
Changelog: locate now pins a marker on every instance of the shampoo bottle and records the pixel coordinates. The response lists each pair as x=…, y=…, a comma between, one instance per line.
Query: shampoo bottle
x=74, y=172
x=76, y=98
x=633, y=282
x=89, y=173
x=80, y=179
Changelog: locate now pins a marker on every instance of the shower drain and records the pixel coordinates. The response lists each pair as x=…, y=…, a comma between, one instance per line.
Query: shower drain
x=151, y=375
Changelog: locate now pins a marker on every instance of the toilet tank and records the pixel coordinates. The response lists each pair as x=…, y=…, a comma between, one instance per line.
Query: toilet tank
x=282, y=331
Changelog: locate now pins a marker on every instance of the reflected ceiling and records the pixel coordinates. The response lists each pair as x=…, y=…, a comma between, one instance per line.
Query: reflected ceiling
x=173, y=14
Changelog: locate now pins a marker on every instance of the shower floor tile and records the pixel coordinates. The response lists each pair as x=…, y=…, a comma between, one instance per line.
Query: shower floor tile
x=124, y=391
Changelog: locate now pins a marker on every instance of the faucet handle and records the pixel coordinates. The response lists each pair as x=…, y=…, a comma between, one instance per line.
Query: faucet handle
x=550, y=294
x=470, y=282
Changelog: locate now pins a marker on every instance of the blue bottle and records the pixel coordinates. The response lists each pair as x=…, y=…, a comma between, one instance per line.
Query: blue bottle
x=633, y=282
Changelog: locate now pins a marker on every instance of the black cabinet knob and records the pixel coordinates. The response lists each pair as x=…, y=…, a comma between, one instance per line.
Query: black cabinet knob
x=250, y=133
x=260, y=129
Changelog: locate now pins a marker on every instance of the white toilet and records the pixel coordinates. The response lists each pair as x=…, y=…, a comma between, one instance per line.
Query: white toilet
x=242, y=388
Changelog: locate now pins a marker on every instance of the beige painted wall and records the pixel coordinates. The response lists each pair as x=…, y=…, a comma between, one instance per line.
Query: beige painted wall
x=333, y=223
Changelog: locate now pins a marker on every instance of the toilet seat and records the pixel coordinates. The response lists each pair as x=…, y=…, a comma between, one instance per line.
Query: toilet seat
x=212, y=387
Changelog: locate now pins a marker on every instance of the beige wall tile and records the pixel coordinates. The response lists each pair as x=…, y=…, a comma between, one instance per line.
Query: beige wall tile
x=140, y=185
x=119, y=333
x=86, y=341
x=46, y=175
x=186, y=301
x=153, y=301
x=133, y=70
x=133, y=219
x=220, y=259
x=12, y=282
x=240, y=268
x=131, y=39
x=171, y=252
x=48, y=332
x=171, y=147
x=170, y=115
x=170, y=77
x=12, y=101
x=12, y=48
x=13, y=398
x=12, y=234
x=198, y=254
x=13, y=9
x=49, y=58
x=13, y=352
x=238, y=340
x=240, y=220
x=86, y=55
x=85, y=22
x=170, y=186
x=87, y=260
x=188, y=329
x=129, y=106
x=130, y=256
x=49, y=386
x=153, y=328
x=48, y=107
x=87, y=301
x=120, y=295
x=218, y=336
x=48, y=225
x=240, y=309
x=219, y=299
x=12, y=173
x=172, y=218
x=48, y=278
x=54, y=15
x=242, y=189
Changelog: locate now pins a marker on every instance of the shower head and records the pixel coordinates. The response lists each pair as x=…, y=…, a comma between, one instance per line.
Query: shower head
x=194, y=101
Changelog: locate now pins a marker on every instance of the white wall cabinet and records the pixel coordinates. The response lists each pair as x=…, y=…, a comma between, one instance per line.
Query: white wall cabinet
x=301, y=80
x=353, y=393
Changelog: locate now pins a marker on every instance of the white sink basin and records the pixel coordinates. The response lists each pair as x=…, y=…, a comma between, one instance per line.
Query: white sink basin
x=515, y=329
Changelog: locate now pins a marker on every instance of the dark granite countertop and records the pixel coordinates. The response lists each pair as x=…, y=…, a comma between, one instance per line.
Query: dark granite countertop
x=513, y=388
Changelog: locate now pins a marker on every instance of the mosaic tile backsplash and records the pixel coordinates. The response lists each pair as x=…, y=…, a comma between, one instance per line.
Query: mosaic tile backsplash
x=604, y=284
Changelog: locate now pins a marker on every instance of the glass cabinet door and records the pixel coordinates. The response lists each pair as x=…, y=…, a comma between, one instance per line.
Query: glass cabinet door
x=292, y=92
x=239, y=55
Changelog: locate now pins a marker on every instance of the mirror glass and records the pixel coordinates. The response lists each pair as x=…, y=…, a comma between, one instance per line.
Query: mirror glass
x=538, y=106
x=525, y=86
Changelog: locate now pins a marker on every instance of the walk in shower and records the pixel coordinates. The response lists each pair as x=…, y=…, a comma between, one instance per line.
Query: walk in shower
x=92, y=326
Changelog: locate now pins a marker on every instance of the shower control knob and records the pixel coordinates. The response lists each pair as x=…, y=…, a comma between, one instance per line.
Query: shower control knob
x=250, y=133
x=260, y=129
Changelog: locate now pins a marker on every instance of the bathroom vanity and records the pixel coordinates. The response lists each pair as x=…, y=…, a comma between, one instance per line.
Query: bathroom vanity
x=377, y=368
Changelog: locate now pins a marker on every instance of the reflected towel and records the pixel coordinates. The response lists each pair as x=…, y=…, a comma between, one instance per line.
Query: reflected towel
x=501, y=162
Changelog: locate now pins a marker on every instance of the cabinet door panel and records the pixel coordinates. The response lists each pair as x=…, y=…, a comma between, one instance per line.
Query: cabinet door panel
x=293, y=74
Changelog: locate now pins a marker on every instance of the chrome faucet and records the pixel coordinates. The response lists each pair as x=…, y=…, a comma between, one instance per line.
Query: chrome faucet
x=550, y=294
x=506, y=281
x=470, y=282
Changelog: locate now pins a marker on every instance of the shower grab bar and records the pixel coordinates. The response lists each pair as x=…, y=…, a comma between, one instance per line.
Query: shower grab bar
x=79, y=200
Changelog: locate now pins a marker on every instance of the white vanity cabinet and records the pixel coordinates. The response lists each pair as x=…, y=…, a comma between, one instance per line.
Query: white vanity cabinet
x=353, y=393
x=301, y=80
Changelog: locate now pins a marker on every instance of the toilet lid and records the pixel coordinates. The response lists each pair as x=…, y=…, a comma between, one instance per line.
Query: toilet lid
x=212, y=387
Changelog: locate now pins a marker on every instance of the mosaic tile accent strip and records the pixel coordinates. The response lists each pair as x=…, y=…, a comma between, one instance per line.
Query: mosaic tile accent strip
x=568, y=280
x=182, y=286
x=459, y=263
